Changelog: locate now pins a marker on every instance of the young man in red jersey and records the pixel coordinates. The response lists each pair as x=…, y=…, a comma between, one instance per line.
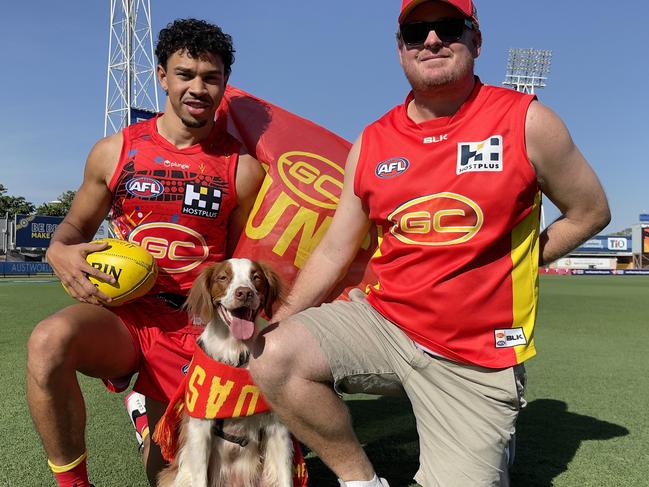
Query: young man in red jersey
x=200, y=189
x=453, y=179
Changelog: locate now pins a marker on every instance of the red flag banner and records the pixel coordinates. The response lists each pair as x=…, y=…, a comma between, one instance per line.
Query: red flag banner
x=305, y=166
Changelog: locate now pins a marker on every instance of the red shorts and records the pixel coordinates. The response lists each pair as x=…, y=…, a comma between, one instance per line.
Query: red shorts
x=164, y=340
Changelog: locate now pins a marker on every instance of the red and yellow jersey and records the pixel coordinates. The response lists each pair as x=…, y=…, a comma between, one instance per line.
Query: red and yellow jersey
x=175, y=202
x=457, y=204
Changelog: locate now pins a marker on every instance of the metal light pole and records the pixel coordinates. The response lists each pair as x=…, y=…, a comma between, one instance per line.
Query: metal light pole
x=527, y=69
x=131, y=88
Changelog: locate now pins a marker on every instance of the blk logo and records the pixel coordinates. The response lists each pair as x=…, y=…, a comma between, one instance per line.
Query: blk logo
x=509, y=337
x=436, y=139
x=392, y=167
x=485, y=156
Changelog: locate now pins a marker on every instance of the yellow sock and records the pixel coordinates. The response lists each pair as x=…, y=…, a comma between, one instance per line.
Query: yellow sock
x=145, y=433
x=69, y=466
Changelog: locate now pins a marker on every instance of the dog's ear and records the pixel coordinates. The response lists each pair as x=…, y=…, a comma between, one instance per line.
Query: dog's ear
x=199, y=300
x=274, y=292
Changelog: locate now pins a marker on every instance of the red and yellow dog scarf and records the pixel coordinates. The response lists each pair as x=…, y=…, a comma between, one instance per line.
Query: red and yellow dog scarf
x=214, y=390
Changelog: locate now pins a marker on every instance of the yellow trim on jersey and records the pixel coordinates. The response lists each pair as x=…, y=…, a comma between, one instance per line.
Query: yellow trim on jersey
x=69, y=466
x=525, y=278
x=377, y=253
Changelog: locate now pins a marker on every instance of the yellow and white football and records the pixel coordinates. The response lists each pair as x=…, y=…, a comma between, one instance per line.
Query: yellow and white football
x=133, y=268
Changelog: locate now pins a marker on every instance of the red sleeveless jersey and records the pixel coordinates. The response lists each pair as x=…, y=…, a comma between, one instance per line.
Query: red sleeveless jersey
x=457, y=206
x=175, y=202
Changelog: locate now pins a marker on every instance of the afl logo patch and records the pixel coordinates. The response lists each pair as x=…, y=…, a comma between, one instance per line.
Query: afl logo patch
x=392, y=167
x=184, y=369
x=144, y=187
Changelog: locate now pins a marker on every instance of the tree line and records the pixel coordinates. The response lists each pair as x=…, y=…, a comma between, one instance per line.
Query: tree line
x=18, y=205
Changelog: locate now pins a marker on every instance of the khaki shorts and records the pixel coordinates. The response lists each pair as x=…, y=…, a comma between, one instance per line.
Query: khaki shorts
x=466, y=415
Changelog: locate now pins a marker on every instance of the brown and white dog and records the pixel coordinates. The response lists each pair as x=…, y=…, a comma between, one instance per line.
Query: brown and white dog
x=249, y=451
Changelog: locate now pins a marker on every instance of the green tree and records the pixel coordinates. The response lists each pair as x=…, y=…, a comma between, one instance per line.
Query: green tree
x=14, y=204
x=622, y=233
x=60, y=207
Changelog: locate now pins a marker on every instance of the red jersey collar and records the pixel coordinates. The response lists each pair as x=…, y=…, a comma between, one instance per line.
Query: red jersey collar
x=203, y=145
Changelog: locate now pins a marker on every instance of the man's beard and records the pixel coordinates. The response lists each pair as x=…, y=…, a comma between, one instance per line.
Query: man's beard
x=193, y=124
x=446, y=78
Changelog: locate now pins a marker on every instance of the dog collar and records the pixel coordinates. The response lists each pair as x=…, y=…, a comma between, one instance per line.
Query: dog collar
x=217, y=430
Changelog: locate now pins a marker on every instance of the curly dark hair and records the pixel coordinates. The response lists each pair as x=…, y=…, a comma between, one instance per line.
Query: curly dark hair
x=197, y=37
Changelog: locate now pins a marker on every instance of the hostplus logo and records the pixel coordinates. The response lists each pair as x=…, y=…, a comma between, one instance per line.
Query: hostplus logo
x=484, y=156
x=202, y=201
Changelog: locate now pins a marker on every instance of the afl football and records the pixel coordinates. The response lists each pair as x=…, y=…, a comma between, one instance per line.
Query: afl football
x=133, y=268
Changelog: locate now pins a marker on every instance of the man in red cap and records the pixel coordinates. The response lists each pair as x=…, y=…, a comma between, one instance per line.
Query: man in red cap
x=452, y=178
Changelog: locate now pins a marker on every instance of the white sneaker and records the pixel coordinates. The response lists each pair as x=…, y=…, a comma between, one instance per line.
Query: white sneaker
x=136, y=409
x=375, y=482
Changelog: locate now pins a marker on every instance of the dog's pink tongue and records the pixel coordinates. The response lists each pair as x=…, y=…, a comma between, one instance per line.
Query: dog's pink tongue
x=242, y=329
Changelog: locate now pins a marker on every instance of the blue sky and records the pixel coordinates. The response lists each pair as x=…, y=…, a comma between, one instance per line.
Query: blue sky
x=333, y=62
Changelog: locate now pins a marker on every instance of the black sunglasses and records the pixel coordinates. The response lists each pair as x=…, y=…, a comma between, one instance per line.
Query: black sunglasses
x=448, y=30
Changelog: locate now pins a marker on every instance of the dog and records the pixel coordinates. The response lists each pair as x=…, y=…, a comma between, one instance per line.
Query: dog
x=244, y=451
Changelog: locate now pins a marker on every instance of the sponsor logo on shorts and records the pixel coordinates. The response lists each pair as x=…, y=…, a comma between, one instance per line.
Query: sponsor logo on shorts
x=392, y=167
x=144, y=187
x=509, y=337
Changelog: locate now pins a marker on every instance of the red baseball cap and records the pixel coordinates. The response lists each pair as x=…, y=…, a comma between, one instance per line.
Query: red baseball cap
x=465, y=6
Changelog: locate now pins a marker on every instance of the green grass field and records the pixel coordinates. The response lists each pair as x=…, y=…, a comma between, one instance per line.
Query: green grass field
x=585, y=424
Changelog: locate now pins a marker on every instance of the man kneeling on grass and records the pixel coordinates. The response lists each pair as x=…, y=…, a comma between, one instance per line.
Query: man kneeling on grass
x=453, y=177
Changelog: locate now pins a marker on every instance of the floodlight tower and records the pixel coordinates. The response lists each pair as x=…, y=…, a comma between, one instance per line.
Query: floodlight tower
x=527, y=69
x=131, y=89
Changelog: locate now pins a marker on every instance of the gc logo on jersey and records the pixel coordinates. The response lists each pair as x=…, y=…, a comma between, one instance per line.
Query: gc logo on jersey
x=202, y=201
x=480, y=156
x=436, y=220
x=176, y=248
x=392, y=167
x=144, y=187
